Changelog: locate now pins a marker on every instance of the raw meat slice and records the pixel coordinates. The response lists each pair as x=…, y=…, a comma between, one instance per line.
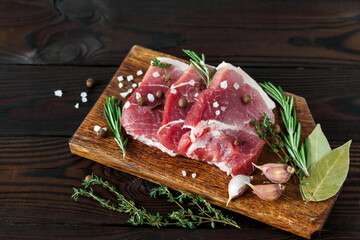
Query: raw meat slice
x=220, y=122
x=188, y=87
x=143, y=122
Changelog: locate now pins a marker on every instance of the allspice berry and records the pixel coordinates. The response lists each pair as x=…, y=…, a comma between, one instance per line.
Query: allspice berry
x=236, y=142
x=277, y=128
x=90, y=82
x=88, y=178
x=198, y=88
x=141, y=101
x=183, y=102
x=246, y=99
x=101, y=133
x=159, y=94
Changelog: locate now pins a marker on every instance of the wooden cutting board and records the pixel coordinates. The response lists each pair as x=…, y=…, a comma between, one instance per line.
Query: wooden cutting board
x=289, y=212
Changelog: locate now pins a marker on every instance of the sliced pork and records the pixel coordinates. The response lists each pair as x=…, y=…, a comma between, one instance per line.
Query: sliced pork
x=220, y=122
x=179, y=100
x=142, y=112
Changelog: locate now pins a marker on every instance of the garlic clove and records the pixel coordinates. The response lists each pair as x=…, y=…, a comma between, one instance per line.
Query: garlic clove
x=276, y=172
x=268, y=192
x=237, y=186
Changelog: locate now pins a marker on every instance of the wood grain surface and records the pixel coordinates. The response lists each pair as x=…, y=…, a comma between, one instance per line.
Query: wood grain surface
x=289, y=212
x=310, y=48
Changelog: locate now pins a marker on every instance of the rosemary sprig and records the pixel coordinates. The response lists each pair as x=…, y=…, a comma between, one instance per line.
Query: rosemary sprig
x=293, y=128
x=113, y=114
x=200, y=66
x=184, y=217
x=163, y=66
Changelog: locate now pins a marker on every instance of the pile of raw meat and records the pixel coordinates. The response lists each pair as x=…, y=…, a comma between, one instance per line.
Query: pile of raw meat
x=181, y=116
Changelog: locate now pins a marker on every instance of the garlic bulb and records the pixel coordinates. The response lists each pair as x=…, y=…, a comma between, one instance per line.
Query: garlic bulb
x=268, y=192
x=237, y=186
x=276, y=172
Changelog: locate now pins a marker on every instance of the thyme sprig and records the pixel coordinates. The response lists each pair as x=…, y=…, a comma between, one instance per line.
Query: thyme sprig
x=293, y=128
x=200, y=66
x=113, y=114
x=184, y=217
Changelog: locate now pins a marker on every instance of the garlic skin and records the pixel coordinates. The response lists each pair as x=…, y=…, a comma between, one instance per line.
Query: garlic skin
x=276, y=172
x=237, y=186
x=268, y=192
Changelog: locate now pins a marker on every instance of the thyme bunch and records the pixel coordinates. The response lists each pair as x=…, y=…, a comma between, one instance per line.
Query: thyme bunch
x=200, y=66
x=184, y=217
x=293, y=128
x=113, y=114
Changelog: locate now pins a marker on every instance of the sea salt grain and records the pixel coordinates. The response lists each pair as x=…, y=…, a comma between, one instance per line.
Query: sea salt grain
x=215, y=104
x=173, y=91
x=84, y=99
x=223, y=84
x=129, y=78
x=129, y=90
x=150, y=97
x=58, y=93
x=126, y=105
x=121, y=85
x=83, y=94
x=156, y=74
x=193, y=175
x=139, y=84
x=76, y=105
x=192, y=82
x=120, y=78
x=137, y=95
x=196, y=94
x=236, y=86
x=183, y=172
x=96, y=128
x=223, y=108
x=124, y=94
x=139, y=72
x=134, y=85
x=217, y=112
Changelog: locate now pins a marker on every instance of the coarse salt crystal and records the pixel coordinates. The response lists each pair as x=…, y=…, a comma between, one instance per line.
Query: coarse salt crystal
x=156, y=74
x=104, y=128
x=223, y=108
x=96, y=128
x=124, y=94
x=150, y=97
x=84, y=99
x=193, y=175
x=58, y=93
x=129, y=78
x=126, y=105
x=183, y=172
x=76, y=105
x=173, y=91
x=130, y=90
x=236, y=86
x=120, y=78
x=83, y=94
x=137, y=95
x=196, y=94
x=223, y=84
x=192, y=82
x=134, y=85
x=217, y=112
x=139, y=84
x=215, y=104
x=121, y=85
x=139, y=72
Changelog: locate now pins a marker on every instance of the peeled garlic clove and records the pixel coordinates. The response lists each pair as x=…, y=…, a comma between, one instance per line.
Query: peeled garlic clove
x=276, y=172
x=237, y=186
x=268, y=192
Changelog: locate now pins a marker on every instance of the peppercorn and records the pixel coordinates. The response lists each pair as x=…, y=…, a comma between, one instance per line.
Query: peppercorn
x=88, y=178
x=198, y=88
x=277, y=128
x=246, y=99
x=183, y=102
x=159, y=94
x=141, y=101
x=101, y=133
x=90, y=82
x=236, y=142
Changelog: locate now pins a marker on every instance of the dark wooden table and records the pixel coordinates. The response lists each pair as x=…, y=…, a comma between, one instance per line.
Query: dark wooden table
x=310, y=48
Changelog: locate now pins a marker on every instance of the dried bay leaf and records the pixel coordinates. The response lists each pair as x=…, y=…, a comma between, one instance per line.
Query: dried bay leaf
x=316, y=146
x=327, y=175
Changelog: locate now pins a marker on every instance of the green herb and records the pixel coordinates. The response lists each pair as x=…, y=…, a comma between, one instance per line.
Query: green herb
x=200, y=66
x=184, y=217
x=113, y=116
x=163, y=66
x=288, y=115
x=316, y=146
x=327, y=175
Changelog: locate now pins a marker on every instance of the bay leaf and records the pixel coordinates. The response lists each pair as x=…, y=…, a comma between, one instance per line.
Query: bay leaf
x=327, y=175
x=316, y=146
